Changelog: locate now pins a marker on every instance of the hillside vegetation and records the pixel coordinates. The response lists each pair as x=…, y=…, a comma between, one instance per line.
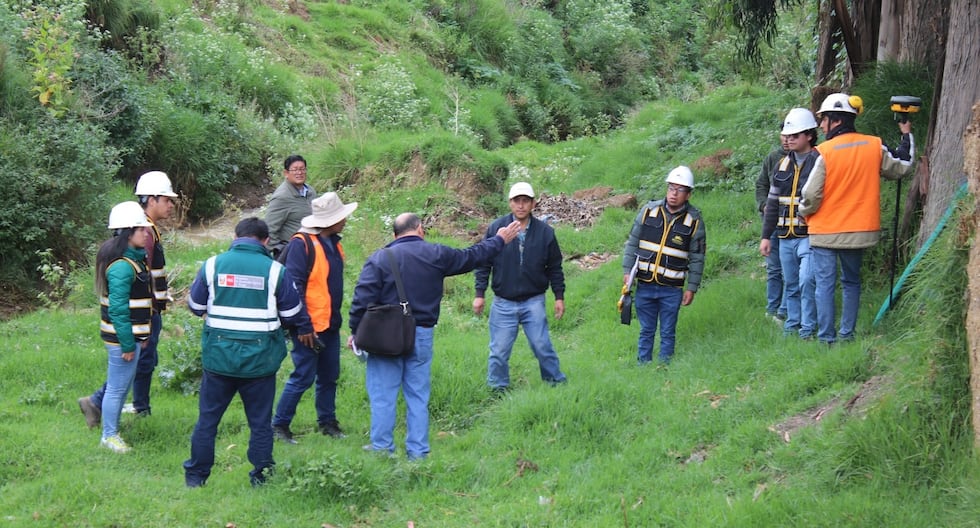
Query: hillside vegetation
x=745, y=428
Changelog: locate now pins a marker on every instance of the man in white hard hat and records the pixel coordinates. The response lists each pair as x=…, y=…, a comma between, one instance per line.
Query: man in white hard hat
x=156, y=196
x=775, y=303
x=289, y=204
x=315, y=259
x=782, y=222
x=841, y=204
x=667, y=245
x=521, y=275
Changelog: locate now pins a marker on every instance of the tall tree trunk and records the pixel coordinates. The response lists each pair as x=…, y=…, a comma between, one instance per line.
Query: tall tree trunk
x=889, y=30
x=958, y=90
x=866, y=18
x=923, y=28
x=828, y=29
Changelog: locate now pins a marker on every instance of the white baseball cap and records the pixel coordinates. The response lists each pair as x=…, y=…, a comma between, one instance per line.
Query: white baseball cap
x=521, y=189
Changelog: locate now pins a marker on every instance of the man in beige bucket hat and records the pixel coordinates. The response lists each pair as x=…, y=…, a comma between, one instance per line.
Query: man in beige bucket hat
x=315, y=259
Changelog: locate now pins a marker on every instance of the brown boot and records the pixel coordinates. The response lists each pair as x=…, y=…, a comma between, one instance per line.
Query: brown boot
x=93, y=415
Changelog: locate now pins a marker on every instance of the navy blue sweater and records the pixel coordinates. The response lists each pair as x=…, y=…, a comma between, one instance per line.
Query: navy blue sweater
x=423, y=267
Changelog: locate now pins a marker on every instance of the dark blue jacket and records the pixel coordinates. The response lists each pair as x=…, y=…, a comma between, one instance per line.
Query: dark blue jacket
x=524, y=268
x=423, y=267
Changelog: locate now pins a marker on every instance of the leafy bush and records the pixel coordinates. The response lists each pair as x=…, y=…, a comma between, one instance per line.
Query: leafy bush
x=334, y=479
x=55, y=203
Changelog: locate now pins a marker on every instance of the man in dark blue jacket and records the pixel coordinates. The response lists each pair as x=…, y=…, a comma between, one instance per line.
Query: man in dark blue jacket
x=521, y=276
x=248, y=298
x=423, y=267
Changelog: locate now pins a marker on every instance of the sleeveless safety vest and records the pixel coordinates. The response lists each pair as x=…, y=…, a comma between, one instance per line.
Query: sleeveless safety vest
x=663, y=246
x=140, y=305
x=851, y=200
x=161, y=294
x=319, y=303
x=789, y=178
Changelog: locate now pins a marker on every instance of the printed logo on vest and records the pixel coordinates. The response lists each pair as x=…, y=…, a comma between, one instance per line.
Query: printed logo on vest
x=248, y=282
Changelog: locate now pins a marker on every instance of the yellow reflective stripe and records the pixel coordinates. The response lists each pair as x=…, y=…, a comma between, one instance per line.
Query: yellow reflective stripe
x=140, y=303
x=789, y=200
x=107, y=327
x=141, y=329
x=157, y=273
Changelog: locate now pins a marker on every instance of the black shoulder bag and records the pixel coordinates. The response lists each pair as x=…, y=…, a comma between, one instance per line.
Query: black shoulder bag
x=388, y=329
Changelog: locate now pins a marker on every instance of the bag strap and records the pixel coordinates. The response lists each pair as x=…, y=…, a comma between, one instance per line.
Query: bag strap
x=402, y=298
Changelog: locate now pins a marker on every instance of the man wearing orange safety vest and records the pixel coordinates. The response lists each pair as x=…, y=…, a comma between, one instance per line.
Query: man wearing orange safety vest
x=322, y=289
x=841, y=204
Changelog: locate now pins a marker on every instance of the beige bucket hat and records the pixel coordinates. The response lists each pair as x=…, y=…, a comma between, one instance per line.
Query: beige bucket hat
x=327, y=211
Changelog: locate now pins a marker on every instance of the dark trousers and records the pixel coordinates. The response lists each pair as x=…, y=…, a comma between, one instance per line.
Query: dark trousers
x=144, y=370
x=310, y=365
x=217, y=391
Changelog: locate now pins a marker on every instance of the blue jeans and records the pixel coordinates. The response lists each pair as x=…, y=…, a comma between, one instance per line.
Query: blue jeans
x=412, y=373
x=309, y=366
x=217, y=392
x=801, y=308
x=144, y=369
x=505, y=318
x=775, y=300
x=656, y=303
x=119, y=378
x=825, y=274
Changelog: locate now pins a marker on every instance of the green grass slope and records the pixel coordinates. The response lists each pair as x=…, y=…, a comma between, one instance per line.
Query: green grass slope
x=745, y=428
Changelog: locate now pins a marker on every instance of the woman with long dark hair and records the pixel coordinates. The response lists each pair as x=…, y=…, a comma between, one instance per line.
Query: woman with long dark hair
x=122, y=282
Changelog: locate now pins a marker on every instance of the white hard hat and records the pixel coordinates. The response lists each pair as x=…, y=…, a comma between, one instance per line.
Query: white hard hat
x=798, y=120
x=681, y=176
x=841, y=102
x=521, y=189
x=127, y=214
x=154, y=183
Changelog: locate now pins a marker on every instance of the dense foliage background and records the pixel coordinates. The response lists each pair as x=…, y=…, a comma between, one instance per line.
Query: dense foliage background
x=216, y=93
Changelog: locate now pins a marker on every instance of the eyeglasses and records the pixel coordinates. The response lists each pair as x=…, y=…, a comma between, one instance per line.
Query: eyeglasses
x=677, y=189
x=301, y=170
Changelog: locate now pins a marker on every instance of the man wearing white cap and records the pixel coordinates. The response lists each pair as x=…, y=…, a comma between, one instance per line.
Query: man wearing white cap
x=521, y=274
x=315, y=258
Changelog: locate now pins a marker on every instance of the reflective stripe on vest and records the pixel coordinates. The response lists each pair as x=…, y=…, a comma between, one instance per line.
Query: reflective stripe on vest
x=667, y=258
x=243, y=318
x=140, y=308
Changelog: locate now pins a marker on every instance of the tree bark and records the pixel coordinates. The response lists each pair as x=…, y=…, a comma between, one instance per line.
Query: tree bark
x=958, y=90
x=827, y=46
x=888, y=31
x=971, y=153
x=923, y=25
x=866, y=19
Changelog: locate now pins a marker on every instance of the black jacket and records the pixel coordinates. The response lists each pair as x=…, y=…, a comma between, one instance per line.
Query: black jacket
x=516, y=279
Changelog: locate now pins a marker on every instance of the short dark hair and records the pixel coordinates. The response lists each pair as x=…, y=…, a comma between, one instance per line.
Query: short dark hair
x=293, y=159
x=845, y=118
x=252, y=226
x=406, y=222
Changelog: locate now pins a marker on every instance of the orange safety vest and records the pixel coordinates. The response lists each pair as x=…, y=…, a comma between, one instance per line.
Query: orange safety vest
x=852, y=185
x=318, y=300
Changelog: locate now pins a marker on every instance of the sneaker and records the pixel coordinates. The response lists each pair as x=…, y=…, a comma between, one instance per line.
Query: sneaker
x=116, y=444
x=93, y=415
x=128, y=409
x=331, y=428
x=283, y=434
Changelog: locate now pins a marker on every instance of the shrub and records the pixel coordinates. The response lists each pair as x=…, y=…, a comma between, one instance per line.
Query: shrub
x=55, y=203
x=389, y=98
